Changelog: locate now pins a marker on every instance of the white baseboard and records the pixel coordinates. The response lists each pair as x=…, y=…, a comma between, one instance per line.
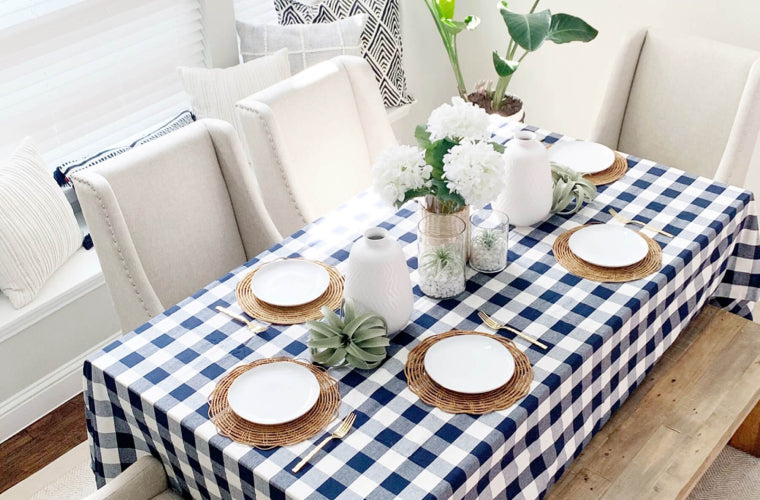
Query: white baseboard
x=45, y=395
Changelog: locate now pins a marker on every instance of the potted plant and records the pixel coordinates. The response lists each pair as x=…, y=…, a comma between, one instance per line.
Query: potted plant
x=443, y=16
x=455, y=166
x=527, y=32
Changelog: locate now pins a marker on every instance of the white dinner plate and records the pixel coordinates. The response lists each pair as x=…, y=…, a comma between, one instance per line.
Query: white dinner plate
x=288, y=283
x=274, y=393
x=581, y=156
x=608, y=245
x=470, y=364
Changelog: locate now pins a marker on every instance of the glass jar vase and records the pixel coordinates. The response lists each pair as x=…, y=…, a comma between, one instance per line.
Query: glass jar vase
x=442, y=254
x=489, y=240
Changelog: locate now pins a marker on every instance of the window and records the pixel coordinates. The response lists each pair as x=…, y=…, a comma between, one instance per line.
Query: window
x=83, y=75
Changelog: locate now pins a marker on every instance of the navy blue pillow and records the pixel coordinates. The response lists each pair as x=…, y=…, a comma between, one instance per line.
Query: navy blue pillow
x=61, y=173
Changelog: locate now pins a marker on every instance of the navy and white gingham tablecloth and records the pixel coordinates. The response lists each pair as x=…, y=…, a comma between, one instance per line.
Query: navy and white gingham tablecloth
x=146, y=393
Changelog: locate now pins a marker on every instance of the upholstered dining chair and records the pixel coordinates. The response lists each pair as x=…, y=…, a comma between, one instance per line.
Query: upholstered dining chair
x=143, y=480
x=171, y=216
x=686, y=102
x=312, y=138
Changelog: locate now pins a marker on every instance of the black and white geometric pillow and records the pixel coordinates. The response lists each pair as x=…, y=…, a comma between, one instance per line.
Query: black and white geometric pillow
x=381, y=37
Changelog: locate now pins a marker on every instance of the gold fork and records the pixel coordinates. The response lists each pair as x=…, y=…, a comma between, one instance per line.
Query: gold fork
x=642, y=224
x=253, y=327
x=495, y=325
x=339, y=433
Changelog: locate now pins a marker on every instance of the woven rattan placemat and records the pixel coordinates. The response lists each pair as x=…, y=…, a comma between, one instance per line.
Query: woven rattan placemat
x=579, y=267
x=289, y=315
x=455, y=402
x=265, y=437
x=608, y=176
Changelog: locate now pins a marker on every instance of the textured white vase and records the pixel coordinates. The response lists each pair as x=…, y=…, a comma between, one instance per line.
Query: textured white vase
x=527, y=198
x=378, y=278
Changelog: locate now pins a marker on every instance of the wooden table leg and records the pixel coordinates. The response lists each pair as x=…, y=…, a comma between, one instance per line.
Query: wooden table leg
x=747, y=437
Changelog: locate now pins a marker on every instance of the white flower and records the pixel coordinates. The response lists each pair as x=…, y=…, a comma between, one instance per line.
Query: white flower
x=474, y=170
x=459, y=120
x=399, y=169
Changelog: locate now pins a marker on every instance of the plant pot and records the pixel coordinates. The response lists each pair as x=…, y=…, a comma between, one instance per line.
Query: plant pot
x=442, y=254
x=512, y=108
x=527, y=198
x=378, y=279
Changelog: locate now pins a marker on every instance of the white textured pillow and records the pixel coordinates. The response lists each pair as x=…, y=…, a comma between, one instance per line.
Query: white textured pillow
x=214, y=91
x=38, y=230
x=307, y=44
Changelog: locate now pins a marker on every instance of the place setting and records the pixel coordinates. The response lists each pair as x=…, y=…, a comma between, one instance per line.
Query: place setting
x=607, y=252
x=290, y=291
x=468, y=372
x=597, y=163
x=274, y=402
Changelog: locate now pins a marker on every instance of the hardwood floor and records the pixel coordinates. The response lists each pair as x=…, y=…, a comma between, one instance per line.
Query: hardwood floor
x=42, y=442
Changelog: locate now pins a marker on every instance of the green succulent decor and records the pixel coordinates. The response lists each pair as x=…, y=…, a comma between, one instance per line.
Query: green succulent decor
x=442, y=259
x=348, y=339
x=570, y=185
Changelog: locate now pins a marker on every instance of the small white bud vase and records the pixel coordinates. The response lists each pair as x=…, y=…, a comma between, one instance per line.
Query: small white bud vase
x=527, y=198
x=378, y=279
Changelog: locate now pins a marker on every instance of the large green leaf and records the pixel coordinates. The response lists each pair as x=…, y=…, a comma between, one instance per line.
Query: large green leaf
x=528, y=30
x=566, y=28
x=503, y=66
x=331, y=343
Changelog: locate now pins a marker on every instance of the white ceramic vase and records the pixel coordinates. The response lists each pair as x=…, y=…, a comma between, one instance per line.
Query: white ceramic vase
x=378, y=279
x=527, y=198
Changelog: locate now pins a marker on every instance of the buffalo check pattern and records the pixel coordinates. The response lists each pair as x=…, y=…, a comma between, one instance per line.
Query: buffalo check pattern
x=146, y=393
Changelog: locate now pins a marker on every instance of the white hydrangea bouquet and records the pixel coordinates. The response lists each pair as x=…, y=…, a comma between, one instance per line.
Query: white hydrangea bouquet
x=454, y=166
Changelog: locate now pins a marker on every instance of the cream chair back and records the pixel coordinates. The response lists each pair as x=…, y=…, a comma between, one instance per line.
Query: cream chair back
x=313, y=137
x=686, y=102
x=171, y=216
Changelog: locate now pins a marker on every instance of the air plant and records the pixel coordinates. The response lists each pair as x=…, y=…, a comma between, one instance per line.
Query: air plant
x=348, y=338
x=442, y=259
x=570, y=185
x=487, y=239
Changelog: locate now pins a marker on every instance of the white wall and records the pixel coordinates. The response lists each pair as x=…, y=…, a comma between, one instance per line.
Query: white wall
x=562, y=85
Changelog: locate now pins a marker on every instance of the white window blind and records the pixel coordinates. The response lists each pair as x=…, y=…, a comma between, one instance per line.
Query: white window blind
x=79, y=76
x=255, y=11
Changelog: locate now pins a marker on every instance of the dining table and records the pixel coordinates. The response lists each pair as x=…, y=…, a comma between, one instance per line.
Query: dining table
x=147, y=392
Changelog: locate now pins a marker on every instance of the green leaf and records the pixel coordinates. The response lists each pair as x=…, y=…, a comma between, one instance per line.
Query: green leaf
x=412, y=194
x=321, y=330
x=503, y=66
x=499, y=148
x=434, y=155
x=566, y=28
x=329, y=343
x=446, y=8
x=321, y=357
x=331, y=318
x=337, y=357
x=375, y=342
x=360, y=363
x=423, y=136
x=368, y=333
x=454, y=27
x=528, y=30
x=354, y=325
x=360, y=353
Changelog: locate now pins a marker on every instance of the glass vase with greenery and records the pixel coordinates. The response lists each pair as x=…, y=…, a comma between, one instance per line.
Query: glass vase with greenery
x=443, y=16
x=528, y=32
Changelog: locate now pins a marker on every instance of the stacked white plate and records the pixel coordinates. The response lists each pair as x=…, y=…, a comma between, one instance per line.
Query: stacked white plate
x=274, y=393
x=289, y=283
x=608, y=245
x=582, y=156
x=470, y=364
